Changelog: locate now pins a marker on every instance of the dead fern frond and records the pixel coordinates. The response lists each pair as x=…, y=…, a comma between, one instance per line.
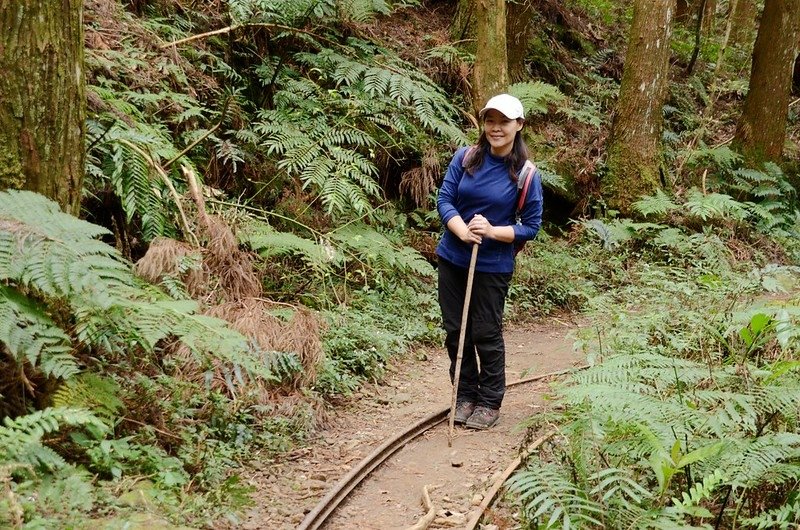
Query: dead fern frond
x=168, y=257
x=279, y=333
x=420, y=182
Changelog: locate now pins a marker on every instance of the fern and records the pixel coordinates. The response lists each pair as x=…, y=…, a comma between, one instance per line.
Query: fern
x=785, y=517
x=550, y=498
x=361, y=11
x=92, y=392
x=57, y=257
x=714, y=206
x=658, y=204
x=126, y=158
x=536, y=96
x=268, y=242
x=688, y=504
x=29, y=335
x=378, y=252
x=721, y=157
x=21, y=438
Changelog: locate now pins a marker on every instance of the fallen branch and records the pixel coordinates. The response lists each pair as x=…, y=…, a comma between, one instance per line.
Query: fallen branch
x=229, y=29
x=492, y=493
x=168, y=183
x=428, y=518
x=203, y=137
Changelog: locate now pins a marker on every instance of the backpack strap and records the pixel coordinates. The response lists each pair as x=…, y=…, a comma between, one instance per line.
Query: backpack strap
x=523, y=186
x=471, y=150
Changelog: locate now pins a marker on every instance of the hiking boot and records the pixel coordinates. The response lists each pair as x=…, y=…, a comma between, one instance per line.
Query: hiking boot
x=483, y=418
x=464, y=410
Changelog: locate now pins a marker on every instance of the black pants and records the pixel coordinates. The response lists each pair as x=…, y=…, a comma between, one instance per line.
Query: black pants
x=484, y=384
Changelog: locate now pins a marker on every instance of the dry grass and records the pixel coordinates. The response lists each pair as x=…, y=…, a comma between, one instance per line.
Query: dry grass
x=256, y=318
x=227, y=285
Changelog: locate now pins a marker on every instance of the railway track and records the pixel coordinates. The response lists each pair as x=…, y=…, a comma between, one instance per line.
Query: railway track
x=326, y=507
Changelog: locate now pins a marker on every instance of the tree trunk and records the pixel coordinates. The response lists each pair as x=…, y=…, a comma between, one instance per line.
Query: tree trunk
x=761, y=130
x=683, y=11
x=634, y=150
x=743, y=22
x=709, y=16
x=519, y=32
x=491, y=57
x=42, y=99
x=463, y=26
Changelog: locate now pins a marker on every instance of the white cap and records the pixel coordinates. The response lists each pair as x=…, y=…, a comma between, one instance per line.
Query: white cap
x=510, y=106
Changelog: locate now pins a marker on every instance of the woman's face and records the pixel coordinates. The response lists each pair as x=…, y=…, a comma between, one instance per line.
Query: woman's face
x=500, y=131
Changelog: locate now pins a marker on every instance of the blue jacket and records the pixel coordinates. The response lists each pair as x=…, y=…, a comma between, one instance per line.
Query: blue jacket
x=492, y=193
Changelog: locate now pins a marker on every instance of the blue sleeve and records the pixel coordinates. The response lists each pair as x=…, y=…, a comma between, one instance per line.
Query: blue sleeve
x=448, y=193
x=531, y=212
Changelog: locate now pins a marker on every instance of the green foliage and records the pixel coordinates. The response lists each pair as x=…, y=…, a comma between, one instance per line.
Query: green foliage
x=355, y=252
x=658, y=204
x=377, y=326
x=784, y=517
x=29, y=335
x=21, y=438
x=536, y=96
x=551, y=275
x=72, y=300
x=684, y=399
x=126, y=159
x=551, y=500
x=57, y=257
x=379, y=253
x=92, y=392
x=714, y=206
x=326, y=127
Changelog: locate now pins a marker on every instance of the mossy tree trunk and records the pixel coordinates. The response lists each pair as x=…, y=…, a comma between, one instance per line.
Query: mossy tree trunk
x=491, y=57
x=634, y=149
x=42, y=99
x=761, y=129
x=743, y=20
x=519, y=32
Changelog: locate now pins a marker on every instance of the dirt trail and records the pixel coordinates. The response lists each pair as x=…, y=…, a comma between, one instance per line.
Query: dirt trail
x=289, y=488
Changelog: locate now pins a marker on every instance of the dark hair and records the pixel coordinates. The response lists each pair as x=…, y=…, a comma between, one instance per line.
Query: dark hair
x=514, y=160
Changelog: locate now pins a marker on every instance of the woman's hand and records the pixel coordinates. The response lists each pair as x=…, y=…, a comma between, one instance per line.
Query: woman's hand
x=462, y=232
x=481, y=226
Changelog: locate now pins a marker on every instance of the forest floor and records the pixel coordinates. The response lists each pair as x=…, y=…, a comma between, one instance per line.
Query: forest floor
x=288, y=487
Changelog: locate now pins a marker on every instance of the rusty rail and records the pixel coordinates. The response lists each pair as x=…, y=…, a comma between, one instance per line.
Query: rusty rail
x=335, y=496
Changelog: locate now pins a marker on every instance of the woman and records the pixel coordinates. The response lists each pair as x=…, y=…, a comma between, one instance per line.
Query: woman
x=477, y=204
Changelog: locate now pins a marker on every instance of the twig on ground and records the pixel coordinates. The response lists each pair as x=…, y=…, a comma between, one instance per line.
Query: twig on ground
x=426, y=520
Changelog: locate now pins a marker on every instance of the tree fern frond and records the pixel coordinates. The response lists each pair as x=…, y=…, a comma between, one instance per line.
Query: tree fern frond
x=551, y=499
x=268, y=242
x=613, y=482
x=375, y=248
x=752, y=460
x=658, y=204
x=20, y=438
x=91, y=392
x=784, y=517
x=536, y=96
x=714, y=206
x=721, y=157
x=29, y=334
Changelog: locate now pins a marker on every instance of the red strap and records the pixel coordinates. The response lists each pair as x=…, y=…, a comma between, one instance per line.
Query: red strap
x=526, y=184
x=468, y=155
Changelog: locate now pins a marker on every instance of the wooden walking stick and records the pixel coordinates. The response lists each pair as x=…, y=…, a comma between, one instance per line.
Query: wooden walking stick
x=470, y=276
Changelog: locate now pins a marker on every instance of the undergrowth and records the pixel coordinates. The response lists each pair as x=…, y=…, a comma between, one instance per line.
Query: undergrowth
x=137, y=378
x=687, y=417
